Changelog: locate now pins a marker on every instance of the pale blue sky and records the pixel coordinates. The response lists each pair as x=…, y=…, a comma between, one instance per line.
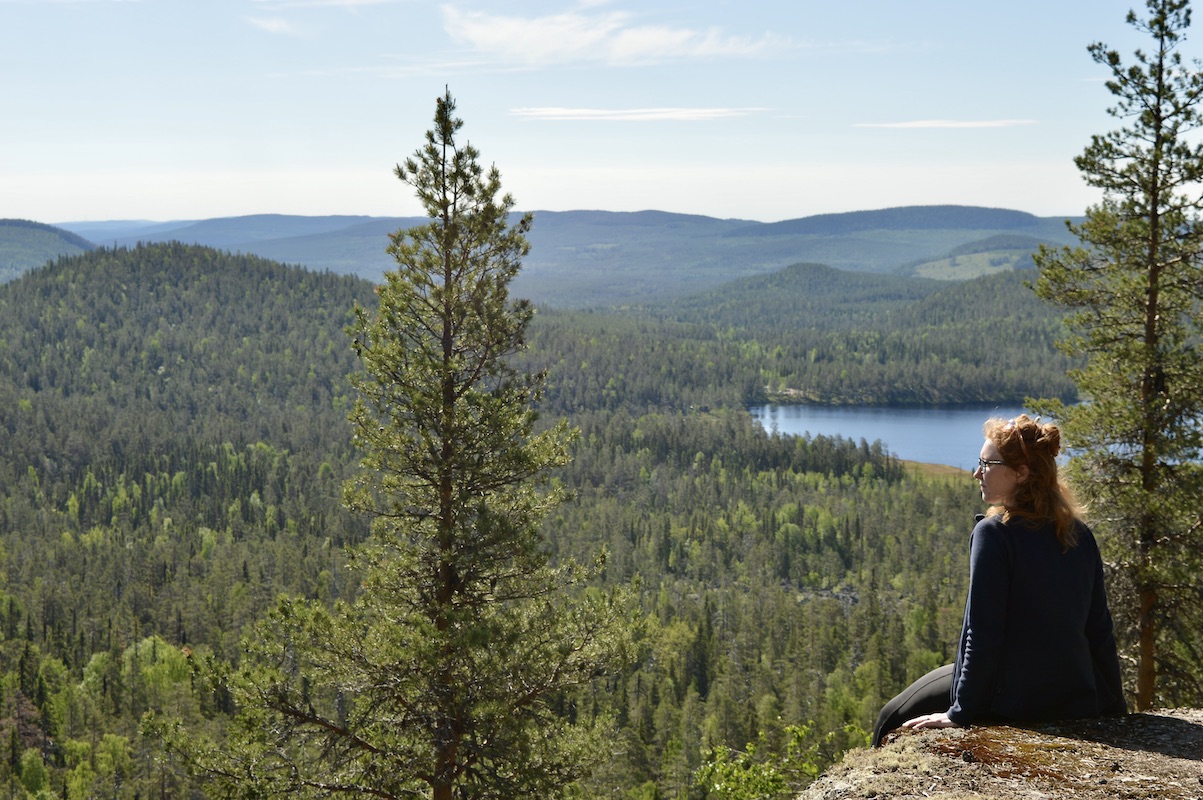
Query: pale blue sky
x=188, y=109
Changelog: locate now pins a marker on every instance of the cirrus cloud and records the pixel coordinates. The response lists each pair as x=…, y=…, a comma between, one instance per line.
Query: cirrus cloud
x=634, y=114
x=610, y=37
x=272, y=24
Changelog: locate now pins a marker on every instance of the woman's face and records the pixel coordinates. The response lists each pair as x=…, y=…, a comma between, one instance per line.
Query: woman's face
x=996, y=480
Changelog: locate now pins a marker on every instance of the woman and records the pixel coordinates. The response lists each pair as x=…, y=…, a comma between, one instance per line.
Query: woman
x=1037, y=642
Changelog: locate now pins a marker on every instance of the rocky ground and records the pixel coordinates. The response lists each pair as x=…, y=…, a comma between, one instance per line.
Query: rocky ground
x=1149, y=755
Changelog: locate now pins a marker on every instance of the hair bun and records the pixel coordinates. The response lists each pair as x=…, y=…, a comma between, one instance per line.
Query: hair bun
x=1050, y=436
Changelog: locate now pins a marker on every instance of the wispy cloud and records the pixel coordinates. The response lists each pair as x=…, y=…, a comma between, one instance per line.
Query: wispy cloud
x=949, y=123
x=612, y=37
x=634, y=114
x=279, y=24
x=273, y=4
x=273, y=25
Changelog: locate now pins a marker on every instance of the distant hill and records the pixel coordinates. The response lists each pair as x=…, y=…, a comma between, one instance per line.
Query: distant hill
x=902, y=219
x=1000, y=253
x=802, y=295
x=824, y=335
x=237, y=233
x=599, y=259
x=106, y=233
x=25, y=245
x=170, y=343
x=822, y=297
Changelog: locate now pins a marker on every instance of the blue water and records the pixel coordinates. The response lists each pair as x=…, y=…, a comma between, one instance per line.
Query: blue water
x=950, y=435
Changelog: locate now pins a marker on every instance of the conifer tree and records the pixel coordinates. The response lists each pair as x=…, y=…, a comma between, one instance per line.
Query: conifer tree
x=451, y=675
x=1134, y=290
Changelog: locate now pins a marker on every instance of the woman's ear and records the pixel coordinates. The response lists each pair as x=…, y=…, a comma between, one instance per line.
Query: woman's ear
x=1021, y=473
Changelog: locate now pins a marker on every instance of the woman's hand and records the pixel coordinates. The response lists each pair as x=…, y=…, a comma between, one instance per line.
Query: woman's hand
x=940, y=720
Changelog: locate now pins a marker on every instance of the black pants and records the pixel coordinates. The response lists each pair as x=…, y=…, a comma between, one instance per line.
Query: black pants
x=930, y=694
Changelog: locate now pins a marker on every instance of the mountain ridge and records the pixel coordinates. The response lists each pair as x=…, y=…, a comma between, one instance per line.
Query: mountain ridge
x=904, y=218
x=25, y=244
x=599, y=259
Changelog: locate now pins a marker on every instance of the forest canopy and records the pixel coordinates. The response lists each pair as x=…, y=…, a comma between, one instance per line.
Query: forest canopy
x=173, y=420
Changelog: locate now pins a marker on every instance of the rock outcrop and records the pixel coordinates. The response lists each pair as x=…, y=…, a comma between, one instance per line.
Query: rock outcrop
x=1149, y=755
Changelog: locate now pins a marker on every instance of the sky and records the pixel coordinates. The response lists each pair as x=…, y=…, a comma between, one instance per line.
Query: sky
x=750, y=109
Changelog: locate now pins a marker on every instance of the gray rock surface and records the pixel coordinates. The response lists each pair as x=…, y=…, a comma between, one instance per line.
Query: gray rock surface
x=1149, y=755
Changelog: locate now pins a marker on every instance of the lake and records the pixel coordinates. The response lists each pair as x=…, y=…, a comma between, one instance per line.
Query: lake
x=950, y=435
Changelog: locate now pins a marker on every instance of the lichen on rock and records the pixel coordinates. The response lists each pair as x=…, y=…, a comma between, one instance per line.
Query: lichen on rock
x=1149, y=755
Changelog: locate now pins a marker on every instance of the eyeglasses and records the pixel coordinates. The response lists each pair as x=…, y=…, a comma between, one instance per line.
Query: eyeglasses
x=983, y=463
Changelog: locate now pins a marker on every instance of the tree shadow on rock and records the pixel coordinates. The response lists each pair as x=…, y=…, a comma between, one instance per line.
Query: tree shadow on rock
x=1177, y=733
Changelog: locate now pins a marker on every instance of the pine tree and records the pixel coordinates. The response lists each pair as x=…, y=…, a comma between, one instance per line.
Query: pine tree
x=451, y=674
x=1134, y=289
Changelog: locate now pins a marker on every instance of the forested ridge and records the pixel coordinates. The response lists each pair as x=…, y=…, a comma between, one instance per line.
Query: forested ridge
x=815, y=334
x=25, y=244
x=597, y=259
x=901, y=218
x=173, y=424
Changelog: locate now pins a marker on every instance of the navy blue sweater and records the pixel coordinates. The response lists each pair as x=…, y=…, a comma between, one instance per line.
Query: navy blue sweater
x=1037, y=642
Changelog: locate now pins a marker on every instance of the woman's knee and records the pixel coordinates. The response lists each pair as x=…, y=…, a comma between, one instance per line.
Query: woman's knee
x=927, y=695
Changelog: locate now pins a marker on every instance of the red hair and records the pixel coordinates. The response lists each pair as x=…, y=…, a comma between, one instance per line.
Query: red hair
x=1041, y=497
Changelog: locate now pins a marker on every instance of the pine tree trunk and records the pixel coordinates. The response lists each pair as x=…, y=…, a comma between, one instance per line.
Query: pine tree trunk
x=1146, y=670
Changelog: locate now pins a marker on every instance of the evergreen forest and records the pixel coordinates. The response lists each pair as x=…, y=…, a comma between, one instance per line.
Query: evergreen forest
x=174, y=440
x=25, y=245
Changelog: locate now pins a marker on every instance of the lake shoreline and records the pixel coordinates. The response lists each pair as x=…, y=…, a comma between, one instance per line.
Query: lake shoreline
x=948, y=436
x=934, y=470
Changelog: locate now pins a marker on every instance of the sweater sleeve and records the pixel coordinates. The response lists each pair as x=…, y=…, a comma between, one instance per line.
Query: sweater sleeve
x=982, y=634
x=1100, y=634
